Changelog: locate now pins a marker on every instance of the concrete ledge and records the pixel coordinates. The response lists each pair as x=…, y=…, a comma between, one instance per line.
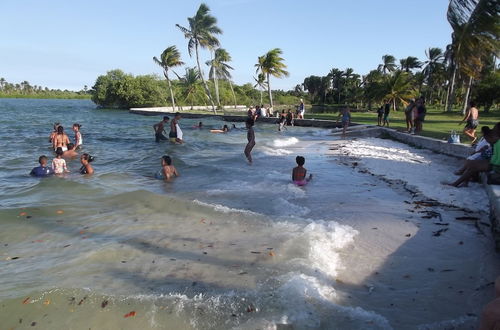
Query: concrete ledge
x=493, y=192
x=188, y=108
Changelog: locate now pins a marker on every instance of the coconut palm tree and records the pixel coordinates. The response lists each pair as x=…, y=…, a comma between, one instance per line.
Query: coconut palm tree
x=170, y=58
x=336, y=76
x=191, y=86
x=409, y=63
x=388, y=64
x=271, y=64
x=260, y=83
x=475, y=36
x=202, y=33
x=219, y=70
x=398, y=88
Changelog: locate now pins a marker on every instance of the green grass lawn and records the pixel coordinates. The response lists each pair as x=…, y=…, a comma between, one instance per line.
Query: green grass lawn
x=438, y=124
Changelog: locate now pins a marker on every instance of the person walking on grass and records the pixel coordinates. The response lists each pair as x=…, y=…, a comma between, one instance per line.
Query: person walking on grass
x=471, y=119
x=380, y=115
x=387, y=110
x=409, y=116
x=421, y=112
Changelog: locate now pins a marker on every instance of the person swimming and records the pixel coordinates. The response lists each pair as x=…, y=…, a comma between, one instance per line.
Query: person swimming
x=60, y=139
x=70, y=153
x=224, y=129
x=168, y=171
x=58, y=163
x=299, y=173
x=200, y=125
x=43, y=170
x=86, y=168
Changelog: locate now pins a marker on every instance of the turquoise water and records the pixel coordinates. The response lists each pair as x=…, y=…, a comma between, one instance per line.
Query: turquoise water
x=225, y=245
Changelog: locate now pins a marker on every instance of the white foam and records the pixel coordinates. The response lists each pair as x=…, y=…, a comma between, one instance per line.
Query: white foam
x=274, y=151
x=285, y=142
x=224, y=209
x=287, y=208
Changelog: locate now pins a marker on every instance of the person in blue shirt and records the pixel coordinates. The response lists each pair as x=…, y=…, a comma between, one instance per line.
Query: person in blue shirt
x=43, y=170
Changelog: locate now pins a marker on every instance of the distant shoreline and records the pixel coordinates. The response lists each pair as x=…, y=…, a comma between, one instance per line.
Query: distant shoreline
x=67, y=97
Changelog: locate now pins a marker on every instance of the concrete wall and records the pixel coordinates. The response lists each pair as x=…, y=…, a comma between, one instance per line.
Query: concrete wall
x=187, y=108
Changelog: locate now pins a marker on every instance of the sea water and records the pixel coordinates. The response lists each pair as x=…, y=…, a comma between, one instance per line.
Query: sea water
x=223, y=246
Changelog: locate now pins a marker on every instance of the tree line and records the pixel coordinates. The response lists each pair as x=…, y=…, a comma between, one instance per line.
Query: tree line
x=25, y=90
x=450, y=77
x=446, y=77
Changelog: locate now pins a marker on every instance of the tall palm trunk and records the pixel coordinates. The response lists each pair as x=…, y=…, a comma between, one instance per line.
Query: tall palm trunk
x=466, y=101
x=451, y=91
x=232, y=91
x=171, y=91
x=261, y=95
x=269, y=91
x=216, y=85
x=207, y=90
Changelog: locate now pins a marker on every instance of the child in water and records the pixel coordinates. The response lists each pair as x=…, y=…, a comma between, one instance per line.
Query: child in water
x=251, y=139
x=168, y=171
x=58, y=163
x=78, y=135
x=299, y=173
x=43, y=170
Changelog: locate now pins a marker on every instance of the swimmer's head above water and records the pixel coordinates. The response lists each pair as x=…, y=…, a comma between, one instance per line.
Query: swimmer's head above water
x=70, y=146
x=86, y=158
x=166, y=160
x=59, y=151
x=166, y=119
x=300, y=160
x=42, y=160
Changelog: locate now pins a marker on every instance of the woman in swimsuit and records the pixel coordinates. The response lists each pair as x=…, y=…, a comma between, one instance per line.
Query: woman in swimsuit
x=78, y=135
x=60, y=140
x=86, y=168
x=54, y=132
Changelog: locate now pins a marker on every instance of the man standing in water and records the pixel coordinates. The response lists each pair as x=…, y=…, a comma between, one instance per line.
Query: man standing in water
x=251, y=140
x=471, y=117
x=175, y=134
x=160, y=128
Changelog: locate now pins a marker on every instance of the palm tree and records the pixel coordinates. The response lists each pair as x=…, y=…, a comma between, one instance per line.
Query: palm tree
x=260, y=83
x=190, y=83
x=410, y=63
x=388, y=64
x=475, y=37
x=271, y=64
x=170, y=58
x=398, y=88
x=2, y=82
x=219, y=70
x=336, y=76
x=201, y=33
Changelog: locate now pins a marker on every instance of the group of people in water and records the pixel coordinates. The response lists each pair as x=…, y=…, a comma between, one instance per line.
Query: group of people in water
x=64, y=150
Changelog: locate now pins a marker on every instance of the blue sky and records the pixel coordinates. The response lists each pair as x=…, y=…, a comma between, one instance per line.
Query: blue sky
x=67, y=44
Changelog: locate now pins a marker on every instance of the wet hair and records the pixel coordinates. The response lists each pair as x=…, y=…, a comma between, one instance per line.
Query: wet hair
x=472, y=103
x=250, y=122
x=60, y=129
x=225, y=127
x=41, y=158
x=70, y=146
x=88, y=157
x=56, y=125
x=77, y=125
x=300, y=160
x=59, y=151
x=177, y=114
x=200, y=124
x=167, y=160
x=165, y=118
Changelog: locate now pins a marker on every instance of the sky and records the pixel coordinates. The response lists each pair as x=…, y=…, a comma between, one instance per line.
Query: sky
x=67, y=44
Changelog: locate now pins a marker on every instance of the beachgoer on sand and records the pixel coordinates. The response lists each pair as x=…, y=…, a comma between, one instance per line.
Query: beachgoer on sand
x=58, y=163
x=160, y=129
x=471, y=119
x=251, y=140
x=86, y=168
x=345, y=114
x=43, y=170
x=299, y=173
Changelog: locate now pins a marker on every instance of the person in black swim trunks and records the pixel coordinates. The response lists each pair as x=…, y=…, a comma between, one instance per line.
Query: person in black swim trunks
x=174, y=125
x=160, y=128
x=471, y=119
